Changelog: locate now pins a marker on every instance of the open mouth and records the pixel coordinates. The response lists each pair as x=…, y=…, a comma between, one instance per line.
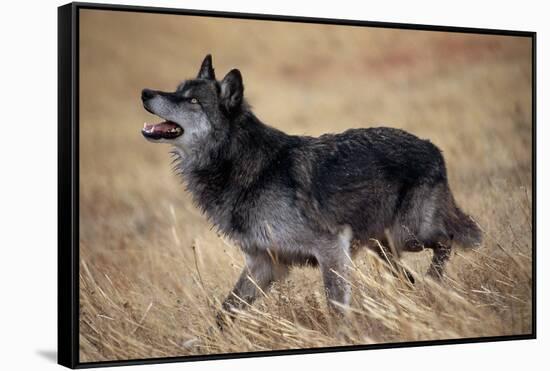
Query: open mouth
x=163, y=130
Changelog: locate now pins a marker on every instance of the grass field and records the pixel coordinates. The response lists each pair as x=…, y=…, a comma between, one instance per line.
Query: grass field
x=152, y=272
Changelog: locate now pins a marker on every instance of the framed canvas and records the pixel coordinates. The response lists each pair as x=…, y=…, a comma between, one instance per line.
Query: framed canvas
x=299, y=185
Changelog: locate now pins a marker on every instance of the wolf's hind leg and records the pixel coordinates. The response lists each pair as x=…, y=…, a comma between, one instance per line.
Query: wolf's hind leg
x=441, y=254
x=259, y=272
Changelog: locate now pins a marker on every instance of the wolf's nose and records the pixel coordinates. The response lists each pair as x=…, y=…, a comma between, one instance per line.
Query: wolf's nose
x=147, y=94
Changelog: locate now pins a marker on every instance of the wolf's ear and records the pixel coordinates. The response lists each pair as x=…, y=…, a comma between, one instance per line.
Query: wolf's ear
x=207, y=71
x=232, y=90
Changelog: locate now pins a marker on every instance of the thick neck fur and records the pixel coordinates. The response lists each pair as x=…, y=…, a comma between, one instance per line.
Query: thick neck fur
x=224, y=171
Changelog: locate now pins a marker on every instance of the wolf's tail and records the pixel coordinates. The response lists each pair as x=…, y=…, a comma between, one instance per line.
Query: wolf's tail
x=463, y=228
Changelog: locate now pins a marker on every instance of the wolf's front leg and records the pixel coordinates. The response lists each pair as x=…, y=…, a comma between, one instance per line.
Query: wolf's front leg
x=258, y=274
x=334, y=261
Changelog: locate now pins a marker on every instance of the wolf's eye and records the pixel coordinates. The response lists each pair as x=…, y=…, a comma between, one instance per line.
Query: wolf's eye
x=194, y=100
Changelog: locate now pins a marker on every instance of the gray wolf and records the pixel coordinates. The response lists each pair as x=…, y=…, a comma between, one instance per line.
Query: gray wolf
x=290, y=200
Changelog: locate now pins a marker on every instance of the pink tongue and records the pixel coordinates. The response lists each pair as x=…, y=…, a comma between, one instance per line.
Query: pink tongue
x=165, y=126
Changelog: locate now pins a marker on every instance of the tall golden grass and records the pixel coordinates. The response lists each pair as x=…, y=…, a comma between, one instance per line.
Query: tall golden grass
x=152, y=272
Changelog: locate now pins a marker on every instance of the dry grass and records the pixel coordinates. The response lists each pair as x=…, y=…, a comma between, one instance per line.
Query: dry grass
x=152, y=272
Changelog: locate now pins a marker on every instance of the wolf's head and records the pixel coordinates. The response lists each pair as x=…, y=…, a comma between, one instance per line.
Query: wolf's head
x=198, y=111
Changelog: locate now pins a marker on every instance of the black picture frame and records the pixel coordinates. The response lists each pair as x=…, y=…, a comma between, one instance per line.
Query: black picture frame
x=68, y=180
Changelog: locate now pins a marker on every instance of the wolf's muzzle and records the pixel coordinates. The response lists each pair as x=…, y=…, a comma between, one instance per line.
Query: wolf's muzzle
x=147, y=94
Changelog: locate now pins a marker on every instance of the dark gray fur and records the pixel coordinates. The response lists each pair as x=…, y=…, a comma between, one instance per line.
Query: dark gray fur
x=293, y=200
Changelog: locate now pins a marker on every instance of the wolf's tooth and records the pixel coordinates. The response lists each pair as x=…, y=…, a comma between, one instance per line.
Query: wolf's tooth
x=153, y=129
x=145, y=125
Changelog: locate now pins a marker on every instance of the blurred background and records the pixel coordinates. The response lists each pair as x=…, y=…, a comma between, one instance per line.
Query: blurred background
x=152, y=271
